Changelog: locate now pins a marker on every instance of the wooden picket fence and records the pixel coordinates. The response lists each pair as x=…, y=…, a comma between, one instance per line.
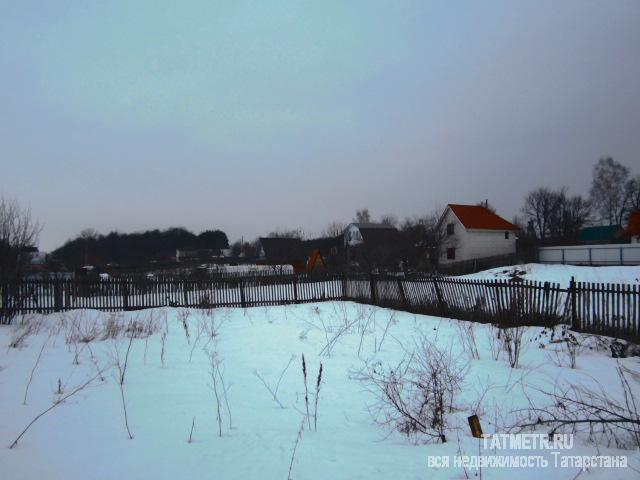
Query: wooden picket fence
x=589, y=307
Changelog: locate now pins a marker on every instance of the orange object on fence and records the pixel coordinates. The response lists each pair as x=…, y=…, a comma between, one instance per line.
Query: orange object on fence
x=314, y=260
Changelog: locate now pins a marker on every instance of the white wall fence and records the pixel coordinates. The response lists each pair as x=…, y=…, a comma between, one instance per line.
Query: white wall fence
x=609, y=254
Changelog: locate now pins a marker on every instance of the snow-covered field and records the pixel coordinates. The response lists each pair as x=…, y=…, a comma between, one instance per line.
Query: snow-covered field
x=562, y=274
x=85, y=437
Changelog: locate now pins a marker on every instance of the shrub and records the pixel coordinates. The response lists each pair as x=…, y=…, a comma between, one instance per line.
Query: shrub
x=416, y=396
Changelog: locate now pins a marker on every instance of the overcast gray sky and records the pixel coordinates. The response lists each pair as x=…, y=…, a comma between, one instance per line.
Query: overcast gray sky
x=247, y=116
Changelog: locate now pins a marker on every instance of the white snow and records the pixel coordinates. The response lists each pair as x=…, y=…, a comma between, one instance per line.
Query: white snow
x=85, y=437
x=562, y=273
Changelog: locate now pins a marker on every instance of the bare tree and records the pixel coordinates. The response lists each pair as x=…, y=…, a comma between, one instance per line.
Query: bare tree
x=426, y=231
x=89, y=234
x=608, y=190
x=240, y=248
x=18, y=232
x=362, y=216
x=576, y=213
x=236, y=248
x=415, y=229
x=389, y=219
x=553, y=215
x=248, y=249
x=334, y=229
x=287, y=233
x=632, y=192
x=540, y=207
x=438, y=239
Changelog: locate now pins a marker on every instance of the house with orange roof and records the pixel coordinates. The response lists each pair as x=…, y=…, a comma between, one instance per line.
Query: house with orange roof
x=472, y=232
x=633, y=229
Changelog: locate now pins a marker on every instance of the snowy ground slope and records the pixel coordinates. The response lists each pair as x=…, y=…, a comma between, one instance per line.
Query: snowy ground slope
x=85, y=437
x=562, y=273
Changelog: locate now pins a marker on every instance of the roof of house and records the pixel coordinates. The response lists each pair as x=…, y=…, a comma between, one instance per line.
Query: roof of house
x=477, y=217
x=323, y=244
x=380, y=234
x=282, y=249
x=601, y=233
x=374, y=226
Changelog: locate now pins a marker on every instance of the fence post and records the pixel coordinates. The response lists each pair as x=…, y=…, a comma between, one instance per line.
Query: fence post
x=575, y=324
x=545, y=301
x=372, y=283
x=4, y=313
x=441, y=305
x=57, y=296
x=344, y=287
x=66, y=289
x=125, y=294
x=295, y=290
x=402, y=295
x=243, y=300
x=185, y=294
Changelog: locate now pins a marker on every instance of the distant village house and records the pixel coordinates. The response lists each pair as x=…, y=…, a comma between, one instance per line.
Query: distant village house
x=281, y=251
x=473, y=232
x=601, y=234
x=374, y=245
x=633, y=229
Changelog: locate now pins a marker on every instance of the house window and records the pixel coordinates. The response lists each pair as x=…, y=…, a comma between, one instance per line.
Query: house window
x=451, y=253
x=506, y=235
x=450, y=227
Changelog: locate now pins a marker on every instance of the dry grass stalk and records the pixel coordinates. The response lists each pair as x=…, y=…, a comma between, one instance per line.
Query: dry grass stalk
x=35, y=366
x=295, y=448
x=122, y=371
x=315, y=406
x=163, y=343
x=219, y=389
x=467, y=337
x=58, y=402
x=578, y=409
x=193, y=426
x=274, y=391
x=306, y=390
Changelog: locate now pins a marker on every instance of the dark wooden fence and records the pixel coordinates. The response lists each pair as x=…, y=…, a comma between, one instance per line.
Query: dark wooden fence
x=598, y=308
x=466, y=267
x=45, y=296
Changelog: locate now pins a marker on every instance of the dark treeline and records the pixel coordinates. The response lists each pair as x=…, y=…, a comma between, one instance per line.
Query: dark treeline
x=137, y=248
x=548, y=216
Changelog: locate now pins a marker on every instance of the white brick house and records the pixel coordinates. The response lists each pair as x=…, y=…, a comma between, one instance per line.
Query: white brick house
x=473, y=231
